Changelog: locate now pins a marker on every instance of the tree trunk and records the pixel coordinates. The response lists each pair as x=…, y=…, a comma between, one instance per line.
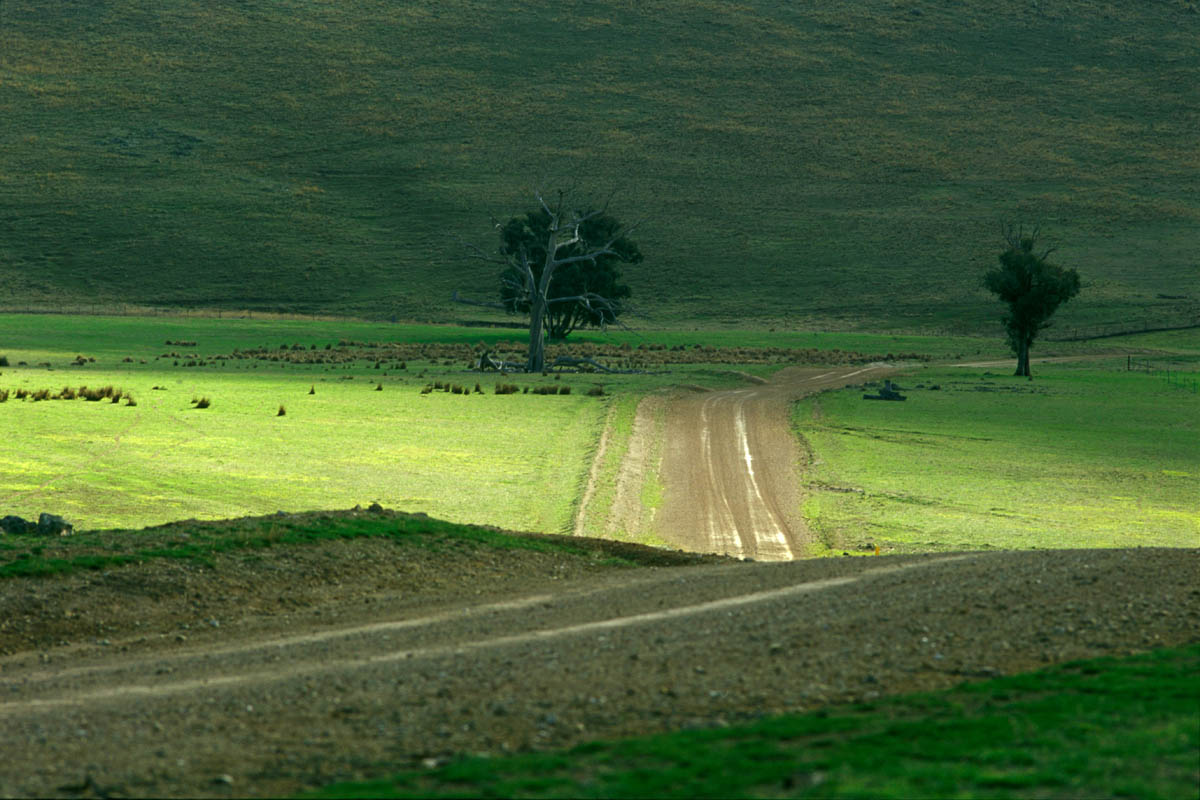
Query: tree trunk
x=537, y=334
x=1023, y=357
x=539, y=308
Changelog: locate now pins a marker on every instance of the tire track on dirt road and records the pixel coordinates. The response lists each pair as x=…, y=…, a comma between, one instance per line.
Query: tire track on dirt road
x=729, y=470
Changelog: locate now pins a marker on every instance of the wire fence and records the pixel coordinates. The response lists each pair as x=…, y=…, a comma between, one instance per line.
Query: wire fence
x=1079, y=333
x=1181, y=374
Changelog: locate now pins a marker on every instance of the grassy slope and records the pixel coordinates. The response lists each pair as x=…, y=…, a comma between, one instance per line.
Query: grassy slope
x=1084, y=456
x=1102, y=728
x=201, y=542
x=808, y=164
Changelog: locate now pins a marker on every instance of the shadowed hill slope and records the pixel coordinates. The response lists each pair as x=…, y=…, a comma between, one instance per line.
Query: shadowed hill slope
x=803, y=164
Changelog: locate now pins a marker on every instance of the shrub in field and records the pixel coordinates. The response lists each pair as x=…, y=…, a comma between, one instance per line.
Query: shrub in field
x=3, y=395
x=129, y=401
x=67, y=393
x=507, y=388
x=282, y=412
x=41, y=394
x=379, y=387
x=564, y=390
x=478, y=389
x=3, y=361
x=312, y=389
x=427, y=389
x=22, y=394
x=595, y=391
x=203, y=402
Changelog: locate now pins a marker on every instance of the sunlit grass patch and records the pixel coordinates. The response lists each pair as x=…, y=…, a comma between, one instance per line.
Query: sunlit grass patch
x=1079, y=457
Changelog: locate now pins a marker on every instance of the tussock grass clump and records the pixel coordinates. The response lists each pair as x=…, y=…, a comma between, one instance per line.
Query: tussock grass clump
x=312, y=389
x=203, y=402
x=507, y=388
x=40, y=394
x=595, y=391
x=129, y=401
x=427, y=389
x=282, y=412
x=3, y=395
x=3, y=361
x=67, y=393
x=552, y=390
x=379, y=387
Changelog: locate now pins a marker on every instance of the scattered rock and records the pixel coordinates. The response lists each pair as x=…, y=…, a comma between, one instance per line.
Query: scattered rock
x=15, y=525
x=54, y=525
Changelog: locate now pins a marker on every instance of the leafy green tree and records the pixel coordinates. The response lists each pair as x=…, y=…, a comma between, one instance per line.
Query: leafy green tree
x=1032, y=287
x=554, y=240
x=580, y=293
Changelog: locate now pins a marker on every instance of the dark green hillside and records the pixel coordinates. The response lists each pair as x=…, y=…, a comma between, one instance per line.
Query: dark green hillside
x=817, y=163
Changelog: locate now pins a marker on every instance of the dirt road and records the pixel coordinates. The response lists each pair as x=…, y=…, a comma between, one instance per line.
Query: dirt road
x=730, y=466
x=277, y=699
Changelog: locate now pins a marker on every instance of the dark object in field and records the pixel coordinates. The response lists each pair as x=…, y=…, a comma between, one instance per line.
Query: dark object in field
x=375, y=508
x=52, y=524
x=379, y=387
x=47, y=525
x=14, y=524
x=595, y=391
x=312, y=389
x=282, y=412
x=203, y=402
x=889, y=391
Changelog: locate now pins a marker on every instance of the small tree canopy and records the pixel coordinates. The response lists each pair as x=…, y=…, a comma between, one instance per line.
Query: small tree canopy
x=1032, y=287
x=523, y=240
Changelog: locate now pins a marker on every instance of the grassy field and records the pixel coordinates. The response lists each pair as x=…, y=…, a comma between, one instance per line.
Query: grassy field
x=518, y=461
x=802, y=165
x=1085, y=455
x=1102, y=728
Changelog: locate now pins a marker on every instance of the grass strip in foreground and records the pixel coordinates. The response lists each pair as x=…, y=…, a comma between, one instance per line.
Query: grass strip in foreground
x=1108, y=727
x=200, y=542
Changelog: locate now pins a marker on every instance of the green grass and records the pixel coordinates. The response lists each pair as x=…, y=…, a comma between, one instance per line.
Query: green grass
x=1100, y=728
x=517, y=461
x=200, y=541
x=1082, y=456
x=805, y=165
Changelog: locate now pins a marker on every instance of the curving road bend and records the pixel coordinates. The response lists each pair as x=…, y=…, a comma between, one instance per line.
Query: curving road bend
x=729, y=466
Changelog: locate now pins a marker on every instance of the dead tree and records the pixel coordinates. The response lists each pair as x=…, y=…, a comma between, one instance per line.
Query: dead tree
x=562, y=233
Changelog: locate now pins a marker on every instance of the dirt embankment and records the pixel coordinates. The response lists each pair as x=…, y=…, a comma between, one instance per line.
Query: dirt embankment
x=384, y=663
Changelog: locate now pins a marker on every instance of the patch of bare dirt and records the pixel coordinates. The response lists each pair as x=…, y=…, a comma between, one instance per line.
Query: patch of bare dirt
x=730, y=466
x=345, y=660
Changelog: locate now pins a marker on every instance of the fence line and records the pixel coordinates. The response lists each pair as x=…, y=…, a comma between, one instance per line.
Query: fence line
x=1079, y=333
x=1171, y=371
